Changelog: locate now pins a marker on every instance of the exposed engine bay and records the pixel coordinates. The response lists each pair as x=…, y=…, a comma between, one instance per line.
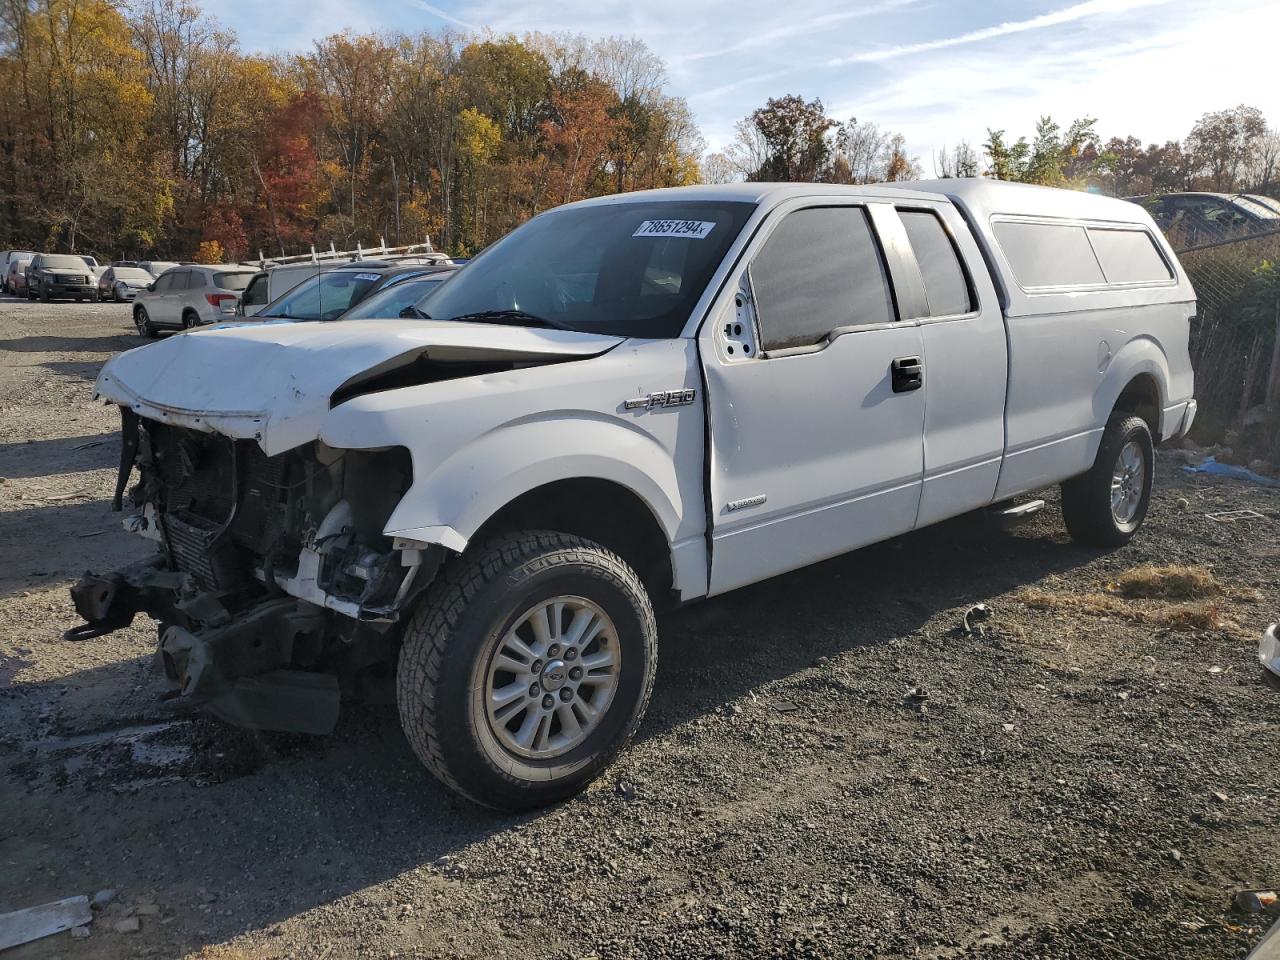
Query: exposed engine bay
x=272, y=575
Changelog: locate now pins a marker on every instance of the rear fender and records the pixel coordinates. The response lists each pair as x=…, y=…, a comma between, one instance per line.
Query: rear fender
x=1139, y=356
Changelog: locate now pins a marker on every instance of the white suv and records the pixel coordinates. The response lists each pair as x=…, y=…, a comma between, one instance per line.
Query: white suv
x=185, y=297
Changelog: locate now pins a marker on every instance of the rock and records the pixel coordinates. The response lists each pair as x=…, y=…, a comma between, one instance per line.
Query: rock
x=625, y=790
x=1219, y=797
x=102, y=898
x=916, y=695
x=1175, y=856
x=147, y=910
x=1256, y=901
x=1183, y=504
x=128, y=925
x=79, y=933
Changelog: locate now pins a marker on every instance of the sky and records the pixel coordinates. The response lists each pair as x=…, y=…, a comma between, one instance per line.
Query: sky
x=939, y=71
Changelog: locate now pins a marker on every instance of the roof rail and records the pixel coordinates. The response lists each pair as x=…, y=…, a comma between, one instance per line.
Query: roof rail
x=359, y=253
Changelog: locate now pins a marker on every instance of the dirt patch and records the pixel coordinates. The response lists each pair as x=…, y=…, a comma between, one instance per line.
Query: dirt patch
x=831, y=765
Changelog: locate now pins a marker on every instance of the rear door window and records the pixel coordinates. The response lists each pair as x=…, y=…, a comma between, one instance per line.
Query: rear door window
x=945, y=282
x=1129, y=256
x=819, y=271
x=232, y=281
x=1048, y=254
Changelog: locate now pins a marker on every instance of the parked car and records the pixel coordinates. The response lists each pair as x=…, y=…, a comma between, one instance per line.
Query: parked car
x=8, y=256
x=124, y=263
x=399, y=297
x=15, y=277
x=51, y=275
x=1196, y=219
x=332, y=292
x=123, y=283
x=157, y=267
x=275, y=281
x=185, y=297
x=627, y=403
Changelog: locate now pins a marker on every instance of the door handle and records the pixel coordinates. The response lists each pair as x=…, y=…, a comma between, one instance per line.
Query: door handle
x=908, y=374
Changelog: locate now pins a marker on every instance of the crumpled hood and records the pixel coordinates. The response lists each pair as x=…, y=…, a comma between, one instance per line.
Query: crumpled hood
x=273, y=382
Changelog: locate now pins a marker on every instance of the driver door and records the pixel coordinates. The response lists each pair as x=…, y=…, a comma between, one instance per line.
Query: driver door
x=816, y=397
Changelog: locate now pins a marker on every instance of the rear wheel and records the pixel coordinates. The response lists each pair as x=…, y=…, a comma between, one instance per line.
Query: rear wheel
x=189, y=319
x=1106, y=506
x=527, y=668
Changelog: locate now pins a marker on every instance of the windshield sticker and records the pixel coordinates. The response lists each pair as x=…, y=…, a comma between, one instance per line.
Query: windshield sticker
x=368, y=276
x=693, y=229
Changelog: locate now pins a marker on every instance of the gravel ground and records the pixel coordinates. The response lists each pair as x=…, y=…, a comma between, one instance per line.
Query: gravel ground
x=1086, y=778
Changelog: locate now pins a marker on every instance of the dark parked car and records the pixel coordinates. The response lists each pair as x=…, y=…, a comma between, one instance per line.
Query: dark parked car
x=1195, y=219
x=121, y=283
x=329, y=295
x=60, y=275
x=400, y=296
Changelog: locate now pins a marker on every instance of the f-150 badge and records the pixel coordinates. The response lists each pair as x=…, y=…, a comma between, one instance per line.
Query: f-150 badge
x=662, y=398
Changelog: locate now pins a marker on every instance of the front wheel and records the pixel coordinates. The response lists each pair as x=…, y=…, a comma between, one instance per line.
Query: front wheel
x=142, y=321
x=1106, y=506
x=527, y=668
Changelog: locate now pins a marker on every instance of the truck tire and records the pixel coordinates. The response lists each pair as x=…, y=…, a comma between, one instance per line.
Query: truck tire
x=526, y=668
x=1106, y=506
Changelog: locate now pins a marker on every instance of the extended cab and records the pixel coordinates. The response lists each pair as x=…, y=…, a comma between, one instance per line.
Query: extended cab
x=627, y=403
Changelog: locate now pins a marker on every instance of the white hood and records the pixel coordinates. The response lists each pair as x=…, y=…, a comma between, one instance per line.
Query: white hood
x=272, y=382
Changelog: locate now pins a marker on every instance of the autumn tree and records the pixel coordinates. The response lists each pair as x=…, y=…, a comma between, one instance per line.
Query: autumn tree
x=1222, y=143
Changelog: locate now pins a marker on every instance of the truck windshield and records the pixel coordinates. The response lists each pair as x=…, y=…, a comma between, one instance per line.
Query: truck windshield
x=627, y=269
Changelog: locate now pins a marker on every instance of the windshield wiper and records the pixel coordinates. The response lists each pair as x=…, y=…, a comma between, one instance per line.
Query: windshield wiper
x=513, y=317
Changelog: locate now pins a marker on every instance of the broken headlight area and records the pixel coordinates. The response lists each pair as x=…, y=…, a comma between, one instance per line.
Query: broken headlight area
x=265, y=567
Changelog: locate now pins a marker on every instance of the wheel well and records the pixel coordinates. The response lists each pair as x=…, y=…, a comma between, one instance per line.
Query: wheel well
x=1142, y=397
x=600, y=510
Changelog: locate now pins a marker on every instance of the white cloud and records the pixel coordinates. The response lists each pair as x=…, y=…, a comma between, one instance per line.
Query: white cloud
x=1091, y=8
x=443, y=15
x=792, y=28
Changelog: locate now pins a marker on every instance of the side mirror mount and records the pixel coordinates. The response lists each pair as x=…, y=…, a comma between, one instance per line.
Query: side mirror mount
x=151, y=286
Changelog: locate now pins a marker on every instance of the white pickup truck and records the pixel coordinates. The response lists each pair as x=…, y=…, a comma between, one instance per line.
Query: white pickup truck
x=628, y=403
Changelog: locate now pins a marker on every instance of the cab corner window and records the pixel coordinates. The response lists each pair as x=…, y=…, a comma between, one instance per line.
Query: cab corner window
x=818, y=272
x=945, y=282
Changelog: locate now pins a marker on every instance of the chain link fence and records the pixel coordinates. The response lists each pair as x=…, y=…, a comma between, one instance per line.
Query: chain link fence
x=1234, y=265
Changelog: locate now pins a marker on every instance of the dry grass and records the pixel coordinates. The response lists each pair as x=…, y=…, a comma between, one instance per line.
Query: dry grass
x=1168, y=583
x=1134, y=595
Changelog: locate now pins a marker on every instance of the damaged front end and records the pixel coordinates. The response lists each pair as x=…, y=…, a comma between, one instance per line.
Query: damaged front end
x=272, y=576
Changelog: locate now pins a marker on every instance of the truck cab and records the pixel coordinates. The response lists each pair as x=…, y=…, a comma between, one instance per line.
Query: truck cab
x=627, y=403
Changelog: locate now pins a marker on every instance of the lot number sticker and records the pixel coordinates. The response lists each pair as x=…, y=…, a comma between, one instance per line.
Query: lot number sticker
x=693, y=229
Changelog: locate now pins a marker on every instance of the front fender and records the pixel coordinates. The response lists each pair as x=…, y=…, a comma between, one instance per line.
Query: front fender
x=449, y=504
